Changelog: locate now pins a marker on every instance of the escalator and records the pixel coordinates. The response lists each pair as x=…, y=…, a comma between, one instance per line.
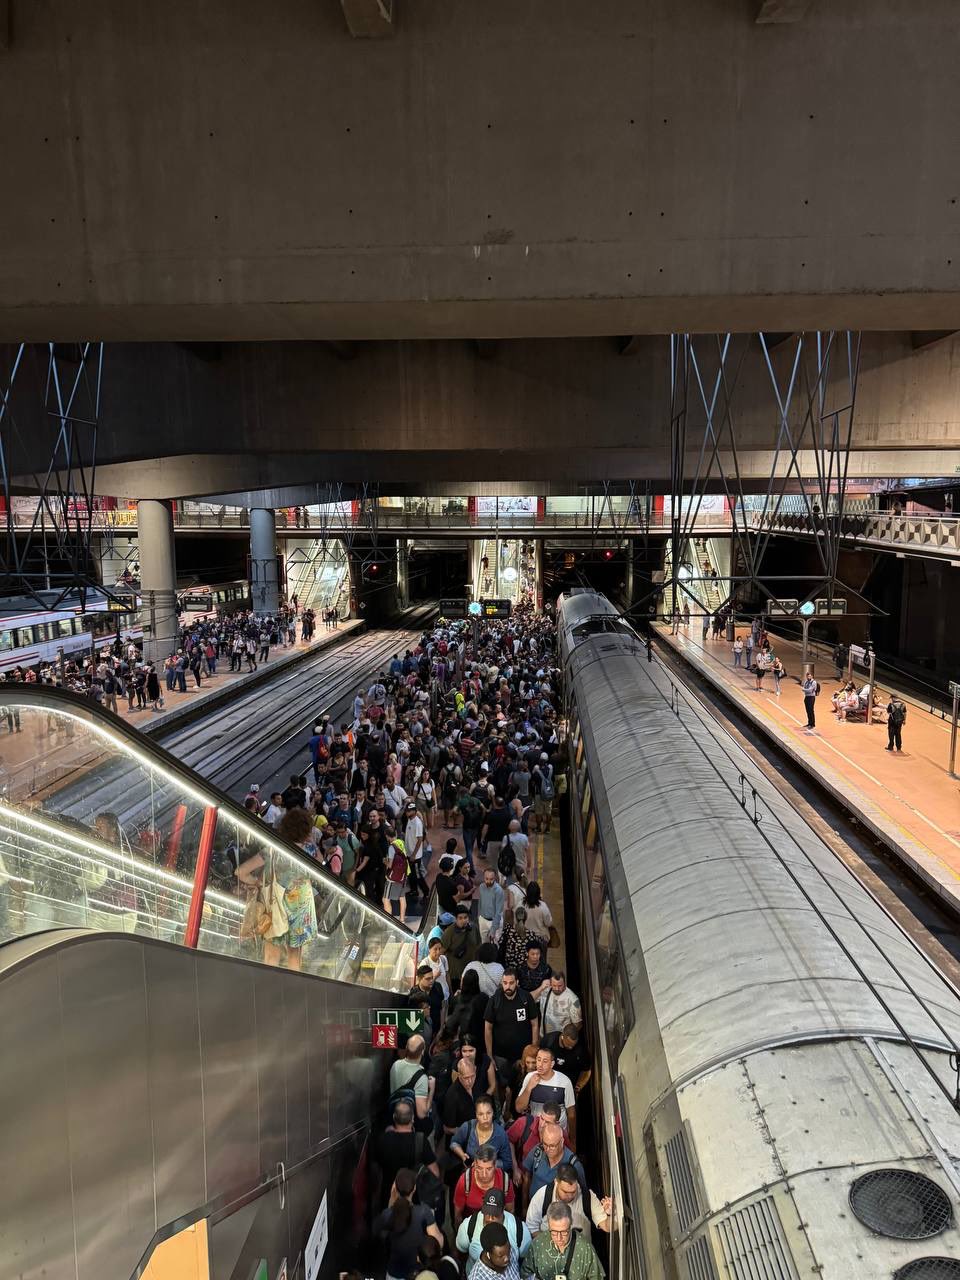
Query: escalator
x=167, y=1090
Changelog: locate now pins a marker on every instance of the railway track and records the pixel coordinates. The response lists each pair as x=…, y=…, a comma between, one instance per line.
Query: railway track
x=258, y=735
x=264, y=731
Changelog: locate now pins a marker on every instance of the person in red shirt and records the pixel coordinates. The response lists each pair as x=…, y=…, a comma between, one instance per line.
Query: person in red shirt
x=474, y=1183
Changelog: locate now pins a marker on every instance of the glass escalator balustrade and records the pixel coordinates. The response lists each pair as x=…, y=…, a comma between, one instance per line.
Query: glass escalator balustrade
x=97, y=832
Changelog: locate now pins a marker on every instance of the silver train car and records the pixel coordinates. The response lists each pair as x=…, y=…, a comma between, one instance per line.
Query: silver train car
x=778, y=1060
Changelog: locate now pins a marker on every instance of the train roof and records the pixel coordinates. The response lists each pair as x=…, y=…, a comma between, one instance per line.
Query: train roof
x=746, y=932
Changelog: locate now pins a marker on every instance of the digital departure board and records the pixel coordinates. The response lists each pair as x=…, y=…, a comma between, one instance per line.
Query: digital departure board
x=496, y=608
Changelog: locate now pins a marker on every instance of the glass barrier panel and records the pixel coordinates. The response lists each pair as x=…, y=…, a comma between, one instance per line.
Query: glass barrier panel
x=99, y=833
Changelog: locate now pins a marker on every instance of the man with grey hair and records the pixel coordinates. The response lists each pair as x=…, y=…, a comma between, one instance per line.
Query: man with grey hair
x=558, y=1250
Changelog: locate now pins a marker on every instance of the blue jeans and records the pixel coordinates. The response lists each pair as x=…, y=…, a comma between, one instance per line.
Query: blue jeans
x=737, y=658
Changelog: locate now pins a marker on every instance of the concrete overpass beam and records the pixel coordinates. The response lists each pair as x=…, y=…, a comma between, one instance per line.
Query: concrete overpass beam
x=369, y=19
x=264, y=585
x=158, y=578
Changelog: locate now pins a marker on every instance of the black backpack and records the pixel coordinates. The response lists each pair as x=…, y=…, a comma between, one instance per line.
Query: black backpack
x=406, y=1093
x=506, y=859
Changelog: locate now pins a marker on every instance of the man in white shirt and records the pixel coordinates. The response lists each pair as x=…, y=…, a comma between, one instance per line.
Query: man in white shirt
x=414, y=839
x=275, y=810
x=566, y=1187
x=547, y=1084
x=520, y=844
x=395, y=797
x=559, y=1005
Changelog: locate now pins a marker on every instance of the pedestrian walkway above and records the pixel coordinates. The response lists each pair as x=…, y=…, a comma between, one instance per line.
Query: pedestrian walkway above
x=907, y=799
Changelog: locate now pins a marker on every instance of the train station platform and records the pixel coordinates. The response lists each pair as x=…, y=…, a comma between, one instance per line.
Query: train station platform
x=227, y=684
x=907, y=799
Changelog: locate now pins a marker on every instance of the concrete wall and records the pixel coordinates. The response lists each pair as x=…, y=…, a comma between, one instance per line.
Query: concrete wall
x=570, y=411
x=241, y=170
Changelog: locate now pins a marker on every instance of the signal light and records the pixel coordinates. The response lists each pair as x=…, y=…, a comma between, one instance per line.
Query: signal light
x=608, y=554
x=373, y=570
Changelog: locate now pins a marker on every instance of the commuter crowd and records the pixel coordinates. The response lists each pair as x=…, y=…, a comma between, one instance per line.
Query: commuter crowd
x=118, y=672
x=450, y=762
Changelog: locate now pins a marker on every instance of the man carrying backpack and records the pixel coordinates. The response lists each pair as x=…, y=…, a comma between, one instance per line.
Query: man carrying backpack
x=543, y=793
x=810, y=687
x=410, y=1083
x=461, y=942
x=896, y=714
x=492, y=1210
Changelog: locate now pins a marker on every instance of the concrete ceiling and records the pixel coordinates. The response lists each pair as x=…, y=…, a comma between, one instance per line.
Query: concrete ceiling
x=238, y=171
x=182, y=421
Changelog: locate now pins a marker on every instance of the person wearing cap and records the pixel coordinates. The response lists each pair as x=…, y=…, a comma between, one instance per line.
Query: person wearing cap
x=491, y=1210
x=253, y=793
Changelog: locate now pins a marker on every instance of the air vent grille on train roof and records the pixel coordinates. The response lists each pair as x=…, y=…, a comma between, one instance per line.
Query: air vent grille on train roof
x=754, y=1244
x=929, y=1269
x=901, y=1203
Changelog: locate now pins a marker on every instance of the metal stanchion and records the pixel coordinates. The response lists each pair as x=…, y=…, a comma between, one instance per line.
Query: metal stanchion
x=955, y=690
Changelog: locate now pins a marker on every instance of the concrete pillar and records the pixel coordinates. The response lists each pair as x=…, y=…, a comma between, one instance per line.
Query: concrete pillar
x=264, y=587
x=158, y=578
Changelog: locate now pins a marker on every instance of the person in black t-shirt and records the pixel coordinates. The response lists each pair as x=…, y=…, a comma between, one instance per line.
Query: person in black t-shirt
x=570, y=1054
x=511, y=1022
x=447, y=896
x=401, y=1147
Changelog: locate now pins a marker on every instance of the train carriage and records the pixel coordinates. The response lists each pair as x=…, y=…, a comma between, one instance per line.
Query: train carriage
x=778, y=1057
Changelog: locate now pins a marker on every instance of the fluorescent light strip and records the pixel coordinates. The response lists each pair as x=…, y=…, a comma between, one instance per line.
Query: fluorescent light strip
x=257, y=833
x=100, y=853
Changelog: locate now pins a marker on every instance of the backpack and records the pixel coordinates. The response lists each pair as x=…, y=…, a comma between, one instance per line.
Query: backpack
x=406, y=1093
x=398, y=867
x=429, y=1189
x=497, y=1174
x=506, y=859
x=547, y=789
x=898, y=712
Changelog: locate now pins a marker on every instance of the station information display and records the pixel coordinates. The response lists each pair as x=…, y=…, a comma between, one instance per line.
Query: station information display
x=495, y=608
x=453, y=608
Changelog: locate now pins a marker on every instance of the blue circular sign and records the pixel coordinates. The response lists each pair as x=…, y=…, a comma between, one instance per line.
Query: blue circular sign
x=474, y=607
x=807, y=608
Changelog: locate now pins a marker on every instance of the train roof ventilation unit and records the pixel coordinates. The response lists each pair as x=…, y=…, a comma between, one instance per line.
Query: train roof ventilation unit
x=929, y=1269
x=754, y=1244
x=699, y=1261
x=901, y=1203
x=685, y=1198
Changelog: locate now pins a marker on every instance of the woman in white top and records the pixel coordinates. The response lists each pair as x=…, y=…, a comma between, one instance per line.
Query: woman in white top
x=539, y=917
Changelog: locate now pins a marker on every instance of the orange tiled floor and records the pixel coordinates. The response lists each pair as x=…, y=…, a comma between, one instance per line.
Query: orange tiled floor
x=913, y=789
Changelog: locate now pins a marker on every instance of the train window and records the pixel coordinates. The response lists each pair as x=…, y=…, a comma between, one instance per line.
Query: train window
x=590, y=839
x=6, y=641
x=25, y=636
x=65, y=626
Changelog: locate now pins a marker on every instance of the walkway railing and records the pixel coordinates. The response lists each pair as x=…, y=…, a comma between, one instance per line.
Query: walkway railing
x=939, y=534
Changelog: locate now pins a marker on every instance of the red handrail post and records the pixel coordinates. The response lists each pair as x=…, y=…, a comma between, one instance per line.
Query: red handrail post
x=191, y=935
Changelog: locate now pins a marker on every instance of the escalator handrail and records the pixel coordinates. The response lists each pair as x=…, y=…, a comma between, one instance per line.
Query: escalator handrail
x=60, y=700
